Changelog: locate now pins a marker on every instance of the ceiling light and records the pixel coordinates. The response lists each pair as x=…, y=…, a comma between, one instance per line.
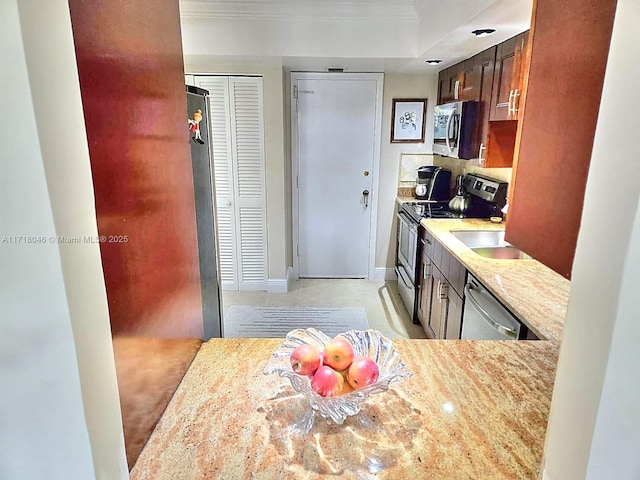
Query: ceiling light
x=483, y=32
x=433, y=62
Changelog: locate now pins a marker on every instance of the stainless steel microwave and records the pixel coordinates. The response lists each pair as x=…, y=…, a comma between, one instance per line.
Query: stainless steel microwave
x=454, y=129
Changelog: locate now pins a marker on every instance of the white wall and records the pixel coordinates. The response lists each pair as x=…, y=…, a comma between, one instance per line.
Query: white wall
x=60, y=411
x=320, y=33
x=398, y=86
x=272, y=78
x=594, y=425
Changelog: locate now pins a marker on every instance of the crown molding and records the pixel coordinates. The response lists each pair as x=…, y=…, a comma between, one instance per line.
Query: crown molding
x=353, y=10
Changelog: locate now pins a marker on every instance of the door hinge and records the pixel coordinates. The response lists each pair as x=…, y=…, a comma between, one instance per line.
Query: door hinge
x=295, y=91
x=297, y=181
x=298, y=250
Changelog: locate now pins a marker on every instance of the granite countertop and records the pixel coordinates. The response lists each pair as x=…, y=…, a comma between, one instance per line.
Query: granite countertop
x=537, y=295
x=473, y=409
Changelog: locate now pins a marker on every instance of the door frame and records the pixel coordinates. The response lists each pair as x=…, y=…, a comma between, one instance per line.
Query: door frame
x=295, y=159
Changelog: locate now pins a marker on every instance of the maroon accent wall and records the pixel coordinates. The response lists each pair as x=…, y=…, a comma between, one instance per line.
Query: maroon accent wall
x=131, y=73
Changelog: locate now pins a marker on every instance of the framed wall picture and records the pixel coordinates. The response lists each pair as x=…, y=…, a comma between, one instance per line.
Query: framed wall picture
x=407, y=120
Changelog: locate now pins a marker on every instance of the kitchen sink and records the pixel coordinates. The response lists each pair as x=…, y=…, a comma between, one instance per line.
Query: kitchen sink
x=501, y=253
x=490, y=244
x=481, y=238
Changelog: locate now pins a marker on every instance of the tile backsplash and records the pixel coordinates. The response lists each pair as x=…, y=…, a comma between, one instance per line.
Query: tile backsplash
x=409, y=164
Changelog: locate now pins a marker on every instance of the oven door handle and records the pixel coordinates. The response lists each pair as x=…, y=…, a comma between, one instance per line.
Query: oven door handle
x=407, y=221
x=407, y=282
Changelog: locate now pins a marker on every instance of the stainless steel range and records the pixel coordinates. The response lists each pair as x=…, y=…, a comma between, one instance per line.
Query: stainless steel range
x=486, y=198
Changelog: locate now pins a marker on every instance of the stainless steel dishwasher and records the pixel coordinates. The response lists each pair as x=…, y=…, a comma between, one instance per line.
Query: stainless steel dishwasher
x=485, y=318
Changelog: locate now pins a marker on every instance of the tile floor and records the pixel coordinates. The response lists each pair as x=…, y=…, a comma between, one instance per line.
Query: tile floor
x=385, y=310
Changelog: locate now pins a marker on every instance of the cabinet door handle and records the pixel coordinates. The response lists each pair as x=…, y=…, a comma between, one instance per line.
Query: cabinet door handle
x=425, y=274
x=516, y=101
x=481, y=153
x=444, y=291
x=509, y=109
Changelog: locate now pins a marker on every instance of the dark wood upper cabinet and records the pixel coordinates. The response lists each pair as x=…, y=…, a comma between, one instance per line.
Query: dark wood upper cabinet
x=454, y=78
x=502, y=91
x=468, y=80
x=519, y=73
x=484, y=67
x=509, y=77
x=442, y=86
x=495, y=79
x=450, y=84
x=568, y=55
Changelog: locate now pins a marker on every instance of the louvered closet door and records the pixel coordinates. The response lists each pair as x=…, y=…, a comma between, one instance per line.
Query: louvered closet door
x=248, y=136
x=238, y=157
x=218, y=88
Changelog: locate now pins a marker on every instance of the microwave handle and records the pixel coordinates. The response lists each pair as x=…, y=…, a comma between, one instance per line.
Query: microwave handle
x=448, y=127
x=456, y=128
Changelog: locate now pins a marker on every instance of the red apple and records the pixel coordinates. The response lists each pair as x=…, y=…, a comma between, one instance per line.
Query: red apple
x=346, y=388
x=362, y=372
x=327, y=382
x=338, y=353
x=306, y=359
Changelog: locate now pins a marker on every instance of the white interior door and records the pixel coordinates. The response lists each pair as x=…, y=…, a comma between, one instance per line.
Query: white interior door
x=337, y=145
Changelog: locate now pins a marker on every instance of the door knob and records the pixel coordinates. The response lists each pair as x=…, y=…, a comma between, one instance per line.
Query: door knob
x=365, y=194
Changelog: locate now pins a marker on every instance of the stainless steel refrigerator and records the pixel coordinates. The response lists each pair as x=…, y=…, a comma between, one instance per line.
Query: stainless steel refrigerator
x=204, y=188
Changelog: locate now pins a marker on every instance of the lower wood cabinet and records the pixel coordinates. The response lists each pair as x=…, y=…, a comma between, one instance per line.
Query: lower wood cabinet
x=425, y=287
x=439, y=305
x=442, y=279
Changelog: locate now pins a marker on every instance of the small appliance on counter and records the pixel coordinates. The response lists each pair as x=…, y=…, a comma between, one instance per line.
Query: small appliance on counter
x=433, y=183
x=460, y=203
x=485, y=197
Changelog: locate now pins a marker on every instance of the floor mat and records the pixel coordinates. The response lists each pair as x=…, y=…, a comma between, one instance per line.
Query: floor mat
x=275, y=322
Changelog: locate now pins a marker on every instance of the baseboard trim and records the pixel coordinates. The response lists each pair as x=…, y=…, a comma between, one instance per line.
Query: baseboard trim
x=277, y=285
x=291, y=277
x=384, y=274
x=281, y=285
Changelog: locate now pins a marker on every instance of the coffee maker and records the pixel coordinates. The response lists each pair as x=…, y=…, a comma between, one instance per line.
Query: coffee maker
x=433, y=184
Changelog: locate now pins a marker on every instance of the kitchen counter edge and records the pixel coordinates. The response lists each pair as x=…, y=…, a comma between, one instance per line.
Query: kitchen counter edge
x=534, y=293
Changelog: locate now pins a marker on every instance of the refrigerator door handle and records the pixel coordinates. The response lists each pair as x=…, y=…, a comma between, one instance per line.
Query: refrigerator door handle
x=487, y=318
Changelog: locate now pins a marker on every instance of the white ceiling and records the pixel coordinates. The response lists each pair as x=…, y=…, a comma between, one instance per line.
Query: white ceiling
x=358, y=35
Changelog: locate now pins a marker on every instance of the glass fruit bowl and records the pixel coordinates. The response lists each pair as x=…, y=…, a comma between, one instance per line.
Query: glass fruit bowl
x=366, y=343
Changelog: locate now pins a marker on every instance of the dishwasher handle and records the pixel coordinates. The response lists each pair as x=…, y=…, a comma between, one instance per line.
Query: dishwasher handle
x=483, y=313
